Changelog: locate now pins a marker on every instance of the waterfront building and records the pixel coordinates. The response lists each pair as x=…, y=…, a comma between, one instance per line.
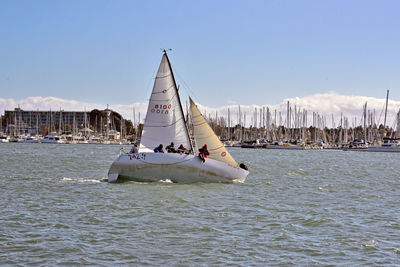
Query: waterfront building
x=23, y=122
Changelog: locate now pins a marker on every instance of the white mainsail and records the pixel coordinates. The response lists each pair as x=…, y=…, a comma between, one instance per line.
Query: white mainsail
x=164, y=122
x=203, y=134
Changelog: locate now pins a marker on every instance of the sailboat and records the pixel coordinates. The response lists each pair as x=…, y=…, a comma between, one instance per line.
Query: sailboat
x=165, y=123
x=390, y=144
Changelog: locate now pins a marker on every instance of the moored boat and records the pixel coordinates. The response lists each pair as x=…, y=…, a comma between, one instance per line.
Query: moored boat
x=278, y=145
x=388, y=145
x=4, y=139
x=31, y=139
x=51, y=139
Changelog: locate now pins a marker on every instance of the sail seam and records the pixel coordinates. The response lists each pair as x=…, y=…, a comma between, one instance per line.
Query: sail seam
x=162, y=77
x=196, y=116
x=216, y=148
x=202, y=137
x=163, y=91
x=199, y=123
x=165, y=125
x=169, y=99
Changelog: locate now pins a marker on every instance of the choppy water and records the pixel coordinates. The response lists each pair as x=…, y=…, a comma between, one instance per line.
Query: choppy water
x=295, y=208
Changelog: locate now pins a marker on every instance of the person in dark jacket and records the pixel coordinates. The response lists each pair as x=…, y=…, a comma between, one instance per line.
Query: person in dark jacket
x=181, y=149
x=159, y=149
x=203, y=153
x=171, y=148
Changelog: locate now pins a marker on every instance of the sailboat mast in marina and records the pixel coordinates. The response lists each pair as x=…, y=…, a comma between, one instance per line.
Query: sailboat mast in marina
x=165, y=124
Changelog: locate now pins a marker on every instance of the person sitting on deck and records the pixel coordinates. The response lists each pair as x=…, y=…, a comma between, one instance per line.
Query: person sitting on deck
x=181, y=149
x=134, y=149
x=171, y=148
x=159, y=149
x=203, y=153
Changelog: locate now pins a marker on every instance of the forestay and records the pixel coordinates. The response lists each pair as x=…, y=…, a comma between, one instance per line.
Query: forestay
x=203, y=134
x=164, y=122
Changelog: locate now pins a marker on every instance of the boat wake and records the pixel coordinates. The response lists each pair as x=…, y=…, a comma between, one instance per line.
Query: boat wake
x=237, y=181
x=80, y=180
x=167, y=181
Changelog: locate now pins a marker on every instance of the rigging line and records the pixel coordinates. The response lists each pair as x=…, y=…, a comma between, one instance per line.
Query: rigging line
x=188, y=90
x=144, y=92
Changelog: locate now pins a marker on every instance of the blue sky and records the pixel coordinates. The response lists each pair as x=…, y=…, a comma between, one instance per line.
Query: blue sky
x=247, y=52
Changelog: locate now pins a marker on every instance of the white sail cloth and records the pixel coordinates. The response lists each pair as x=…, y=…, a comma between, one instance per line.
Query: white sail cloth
x=164, y=122
x=203, y=134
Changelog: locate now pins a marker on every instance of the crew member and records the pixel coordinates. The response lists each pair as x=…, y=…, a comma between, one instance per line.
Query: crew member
x=159, y=149
x=171, y=148
x=203, y=153
x=181, y=149
x=134, y=149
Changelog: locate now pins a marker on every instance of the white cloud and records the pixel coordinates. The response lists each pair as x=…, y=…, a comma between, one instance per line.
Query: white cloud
x=325, y=104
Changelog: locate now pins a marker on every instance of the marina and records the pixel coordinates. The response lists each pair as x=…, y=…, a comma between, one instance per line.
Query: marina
x=270, y=133
x=265, y=131
x=67, y=127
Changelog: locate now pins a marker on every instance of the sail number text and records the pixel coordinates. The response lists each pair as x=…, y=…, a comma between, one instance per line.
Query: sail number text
x=161, y=109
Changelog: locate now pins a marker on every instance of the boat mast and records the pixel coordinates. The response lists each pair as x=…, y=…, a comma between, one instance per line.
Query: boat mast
x=365, y=123
x=85, y=124
x=387, y=98
x=179, y=100
x=37, y=123
x=59, y=126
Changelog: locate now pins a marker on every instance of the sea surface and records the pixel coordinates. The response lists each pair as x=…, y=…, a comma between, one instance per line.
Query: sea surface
x=307, y=208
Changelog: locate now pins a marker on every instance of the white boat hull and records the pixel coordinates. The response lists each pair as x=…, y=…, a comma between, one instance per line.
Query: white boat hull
x=177, y=168
x=291, y=147
x=383, y=149
x=32, y=141
x=50, y=142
